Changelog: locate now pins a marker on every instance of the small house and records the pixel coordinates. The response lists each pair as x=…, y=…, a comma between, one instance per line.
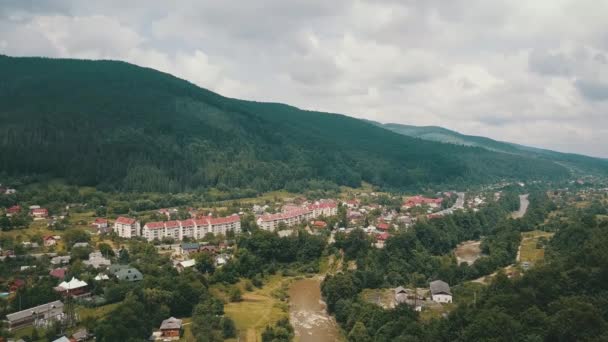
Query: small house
x=440, y=292
x=49, y=241
x=171, y=328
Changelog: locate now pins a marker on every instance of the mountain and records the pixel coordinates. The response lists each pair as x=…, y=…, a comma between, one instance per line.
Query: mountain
x=122, y=127
x=575, y=162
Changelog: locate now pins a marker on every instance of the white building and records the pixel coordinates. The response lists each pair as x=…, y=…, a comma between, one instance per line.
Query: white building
x=440, y=292
x=289, y=218
x=127, y=227
x=195, y=229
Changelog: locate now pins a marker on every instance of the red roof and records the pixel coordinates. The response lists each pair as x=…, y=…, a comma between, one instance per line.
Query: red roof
x=101, y=220
x=223, y=220
x=172, y=224
x=382, y=236
x=285, y=215
x=320, y=224
x=188, y=223
x=40, y=211
x=125, y=220
x=322, y=205
x=154, y=225
x=14, y=209
x=48, y=237
x=58, y=273
x=383, y=226
x=422, y=200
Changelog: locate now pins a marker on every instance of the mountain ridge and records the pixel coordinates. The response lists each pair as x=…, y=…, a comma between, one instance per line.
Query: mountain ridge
x=120, y=126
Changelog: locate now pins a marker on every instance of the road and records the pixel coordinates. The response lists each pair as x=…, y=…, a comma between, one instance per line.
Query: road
x=458, y=205
x=523, y=207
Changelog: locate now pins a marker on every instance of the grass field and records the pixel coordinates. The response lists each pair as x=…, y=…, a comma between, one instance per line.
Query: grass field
x=258, y=309
x=96, y=313
x=529, y=251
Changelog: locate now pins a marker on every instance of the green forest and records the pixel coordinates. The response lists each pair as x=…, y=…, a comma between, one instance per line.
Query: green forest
x=121, y=127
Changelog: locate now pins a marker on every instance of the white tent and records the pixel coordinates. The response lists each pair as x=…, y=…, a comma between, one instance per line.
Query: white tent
x=72, y=284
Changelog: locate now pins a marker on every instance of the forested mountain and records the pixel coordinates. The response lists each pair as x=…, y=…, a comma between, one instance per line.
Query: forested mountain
x=575, y=162
x=119, y=126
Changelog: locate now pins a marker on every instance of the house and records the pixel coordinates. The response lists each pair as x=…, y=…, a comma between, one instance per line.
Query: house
x=49, y=241
x=101, y=276
x=80, y=335
x=101, y=224
x=81, y=245
x=61, y=260
x=45, y=312
x=208, y=249
x=319, y=224
x=409, y=297
x=189, y=247
x=15, y=285
x=39, y=213
x=440, y=292
x=74, y=288
x=129, y=274
x=97, y=260
x=62, y=339
x=182, y=265
x=126, y=227
x=14, y=210
x=383, y=226
x=171, y=328
x=58, y=273
x=400, y=295
x=167, y=212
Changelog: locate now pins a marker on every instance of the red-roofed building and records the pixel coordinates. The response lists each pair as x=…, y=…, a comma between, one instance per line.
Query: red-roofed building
x=352, y=204
x=39, y=213
x=417, y=201
x=289, y=218
x=319, y=224
x=325, y=208
x=58, y=273
x=196, y=229
x=383, y=226
x=101, y=224
x=14, y=210
x=49, y=241
x=127, y=227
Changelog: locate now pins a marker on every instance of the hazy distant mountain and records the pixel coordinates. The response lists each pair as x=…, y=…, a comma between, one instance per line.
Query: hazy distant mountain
x=577, y=162
x=120, y=126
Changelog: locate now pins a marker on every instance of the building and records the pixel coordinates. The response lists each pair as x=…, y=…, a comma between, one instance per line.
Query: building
x=101, y=224
x=74, y=288
x=39, y=315
x=49, y=241
x=61, y=260
x=97, y=260
x=14, y=210
x=417, y=201
x=126, y=227
x=325, y=208
x=194, y=229
x=182, y=265
x=127, y=273
x=190, y=247
x=289, y=218
x=39, y=213
x=58, y=273
x=440, y=292
x=171, y=328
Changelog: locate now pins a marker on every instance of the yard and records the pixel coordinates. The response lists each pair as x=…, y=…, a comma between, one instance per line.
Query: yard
x=531, y=249
x=258, y=309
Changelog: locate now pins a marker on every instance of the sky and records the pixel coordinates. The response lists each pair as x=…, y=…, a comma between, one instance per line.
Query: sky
x=531, y=72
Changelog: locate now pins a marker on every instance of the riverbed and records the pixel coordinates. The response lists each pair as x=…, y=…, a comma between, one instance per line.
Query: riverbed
x=308, y=315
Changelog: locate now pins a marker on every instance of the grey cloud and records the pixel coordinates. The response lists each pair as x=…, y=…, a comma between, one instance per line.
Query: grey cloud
x=547, y=63
x=593, y=90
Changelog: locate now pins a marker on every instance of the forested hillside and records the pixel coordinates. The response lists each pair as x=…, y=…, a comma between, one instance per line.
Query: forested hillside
x=575, y=162
x=119, y=126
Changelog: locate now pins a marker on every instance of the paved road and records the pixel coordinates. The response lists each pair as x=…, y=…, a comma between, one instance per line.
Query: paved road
x=523, y=207
x=458, y=205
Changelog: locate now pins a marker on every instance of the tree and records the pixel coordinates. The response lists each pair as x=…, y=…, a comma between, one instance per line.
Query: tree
x=235, y=294
x=205, y=263
x=105, y=249
x=359, y=333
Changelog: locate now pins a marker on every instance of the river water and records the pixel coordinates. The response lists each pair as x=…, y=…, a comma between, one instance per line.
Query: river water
x=308, y=315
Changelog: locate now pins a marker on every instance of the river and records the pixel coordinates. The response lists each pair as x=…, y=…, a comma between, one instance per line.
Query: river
x=308, y=315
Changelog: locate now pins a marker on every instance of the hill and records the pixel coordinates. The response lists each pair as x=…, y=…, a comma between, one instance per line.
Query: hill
x=575, y=162
x=123, y=127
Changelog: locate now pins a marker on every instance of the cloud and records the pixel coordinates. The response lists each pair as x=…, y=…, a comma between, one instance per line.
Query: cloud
x=593, y=90
x=522, y=71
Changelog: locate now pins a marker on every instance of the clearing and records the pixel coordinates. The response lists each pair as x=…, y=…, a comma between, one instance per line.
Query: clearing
x=468, y=251
x=532, y=248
